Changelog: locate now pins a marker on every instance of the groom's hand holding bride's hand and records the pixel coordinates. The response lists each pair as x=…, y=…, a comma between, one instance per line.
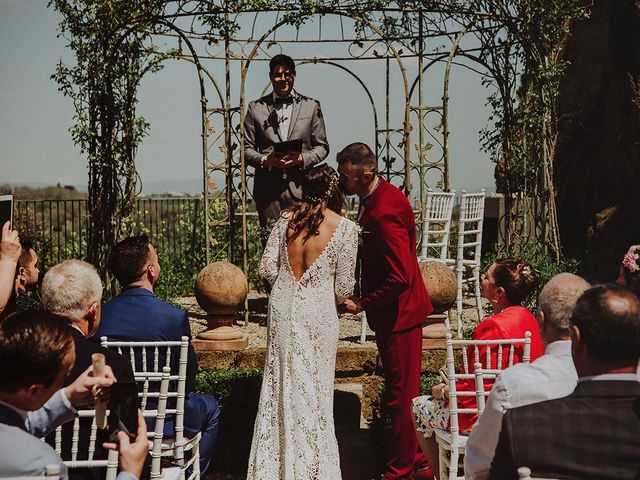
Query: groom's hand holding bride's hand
x=352, y=305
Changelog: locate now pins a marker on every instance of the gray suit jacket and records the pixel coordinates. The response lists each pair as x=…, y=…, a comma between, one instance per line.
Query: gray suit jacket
x=22, y=454
x=270, y=189
x=594, y=433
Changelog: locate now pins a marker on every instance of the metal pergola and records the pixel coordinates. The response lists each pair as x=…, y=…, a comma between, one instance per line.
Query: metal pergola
x=411, y=146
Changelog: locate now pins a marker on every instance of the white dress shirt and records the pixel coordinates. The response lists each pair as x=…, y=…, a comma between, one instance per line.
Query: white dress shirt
x=551, y=376
x=284, y=113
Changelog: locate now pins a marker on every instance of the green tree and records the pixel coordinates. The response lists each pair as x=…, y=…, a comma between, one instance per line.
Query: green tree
x=112, y=44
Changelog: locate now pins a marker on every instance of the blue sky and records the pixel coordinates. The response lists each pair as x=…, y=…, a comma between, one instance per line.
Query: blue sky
x=36, y=147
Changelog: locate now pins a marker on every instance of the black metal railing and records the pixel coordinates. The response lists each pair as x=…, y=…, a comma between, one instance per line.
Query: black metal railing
x=59, y=228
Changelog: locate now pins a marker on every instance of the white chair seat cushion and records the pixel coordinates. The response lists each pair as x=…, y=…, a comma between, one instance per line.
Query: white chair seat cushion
x=443, y=436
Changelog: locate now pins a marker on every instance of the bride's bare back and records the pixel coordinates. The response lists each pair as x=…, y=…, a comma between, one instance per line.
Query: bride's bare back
x=302, y=255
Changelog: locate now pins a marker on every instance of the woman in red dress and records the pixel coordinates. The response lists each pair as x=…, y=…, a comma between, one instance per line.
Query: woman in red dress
x=506, y=285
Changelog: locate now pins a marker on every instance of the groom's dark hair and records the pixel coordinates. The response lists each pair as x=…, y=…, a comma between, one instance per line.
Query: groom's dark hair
x=358, y=154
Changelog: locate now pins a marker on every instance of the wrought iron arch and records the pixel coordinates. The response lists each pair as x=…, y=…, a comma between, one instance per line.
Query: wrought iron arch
x=406, y=123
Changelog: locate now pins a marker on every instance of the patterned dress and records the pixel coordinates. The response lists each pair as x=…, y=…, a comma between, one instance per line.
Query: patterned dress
x=294, y=436
x=512, y=322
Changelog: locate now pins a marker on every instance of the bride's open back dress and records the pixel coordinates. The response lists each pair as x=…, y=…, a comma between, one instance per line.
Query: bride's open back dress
x=294, y=436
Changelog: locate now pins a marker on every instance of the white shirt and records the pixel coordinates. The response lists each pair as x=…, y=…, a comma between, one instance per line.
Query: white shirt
x=284, y=112
x=551, y=376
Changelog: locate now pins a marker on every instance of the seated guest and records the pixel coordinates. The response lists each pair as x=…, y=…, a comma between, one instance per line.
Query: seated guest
x=551, y=376
x=72, y=290
x=36, y=354
x=506, y=285
x=595, y=431
x=62, y=407
x=27, y=275
x=26, y=279
x=630, y=269
x=10, y=251
x=138, y=315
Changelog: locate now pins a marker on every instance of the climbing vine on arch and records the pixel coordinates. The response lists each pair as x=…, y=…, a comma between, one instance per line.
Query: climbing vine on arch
x=523, y=137
x=110, y=60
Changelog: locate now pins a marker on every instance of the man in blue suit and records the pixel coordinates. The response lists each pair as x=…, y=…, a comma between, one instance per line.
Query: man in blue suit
x=138, y=315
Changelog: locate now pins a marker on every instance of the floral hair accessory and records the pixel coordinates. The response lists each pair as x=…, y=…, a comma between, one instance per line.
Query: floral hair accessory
x=630, y=260
x=333, y=183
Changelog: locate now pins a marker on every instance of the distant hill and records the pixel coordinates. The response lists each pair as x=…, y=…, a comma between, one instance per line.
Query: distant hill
x=43, y=192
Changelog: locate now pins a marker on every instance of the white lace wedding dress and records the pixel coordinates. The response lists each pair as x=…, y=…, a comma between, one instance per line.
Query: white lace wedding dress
x=294, y=436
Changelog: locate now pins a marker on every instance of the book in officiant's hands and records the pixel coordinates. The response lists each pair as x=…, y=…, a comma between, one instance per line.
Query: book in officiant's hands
x=288, y=147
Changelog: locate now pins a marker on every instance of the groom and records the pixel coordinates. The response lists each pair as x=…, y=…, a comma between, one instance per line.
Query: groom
x=393, y=295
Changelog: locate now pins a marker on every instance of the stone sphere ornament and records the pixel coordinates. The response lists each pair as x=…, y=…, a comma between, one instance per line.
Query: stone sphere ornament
x=442, y=287
x=221, y=288
x=441, y=284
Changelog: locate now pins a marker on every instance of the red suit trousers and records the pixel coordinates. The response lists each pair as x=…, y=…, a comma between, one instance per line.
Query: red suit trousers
x=401, y=355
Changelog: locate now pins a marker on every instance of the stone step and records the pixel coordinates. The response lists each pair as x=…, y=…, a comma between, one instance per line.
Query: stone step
x=350, y=362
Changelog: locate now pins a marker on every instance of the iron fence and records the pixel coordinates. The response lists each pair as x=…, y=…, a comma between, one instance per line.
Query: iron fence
x=59, y=228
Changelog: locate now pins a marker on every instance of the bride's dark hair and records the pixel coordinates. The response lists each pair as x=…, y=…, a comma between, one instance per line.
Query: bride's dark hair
x=319, y=188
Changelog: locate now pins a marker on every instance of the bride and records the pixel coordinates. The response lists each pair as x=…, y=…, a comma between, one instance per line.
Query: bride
x=310, y=260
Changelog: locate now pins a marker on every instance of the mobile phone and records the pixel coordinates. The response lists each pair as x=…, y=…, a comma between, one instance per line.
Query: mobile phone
x=6, y=211
x=123, y=410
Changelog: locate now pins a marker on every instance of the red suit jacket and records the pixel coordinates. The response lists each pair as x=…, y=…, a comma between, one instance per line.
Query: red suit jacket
x=393, y=292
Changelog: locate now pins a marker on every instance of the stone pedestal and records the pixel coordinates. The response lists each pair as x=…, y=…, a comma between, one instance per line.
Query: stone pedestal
x=434, y=331
x=442, y=287
x=221, y=290
x=220, y=334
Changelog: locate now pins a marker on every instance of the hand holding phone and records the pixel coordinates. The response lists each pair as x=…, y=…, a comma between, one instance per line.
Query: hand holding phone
x=123, y=411
x=132, y=454
x=6, y=210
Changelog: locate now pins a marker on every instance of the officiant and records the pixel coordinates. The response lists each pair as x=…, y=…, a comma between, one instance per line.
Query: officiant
x=284, y=134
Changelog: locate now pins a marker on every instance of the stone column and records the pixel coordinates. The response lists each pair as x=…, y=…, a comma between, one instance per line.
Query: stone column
x=221, y=289
x=442, y=287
